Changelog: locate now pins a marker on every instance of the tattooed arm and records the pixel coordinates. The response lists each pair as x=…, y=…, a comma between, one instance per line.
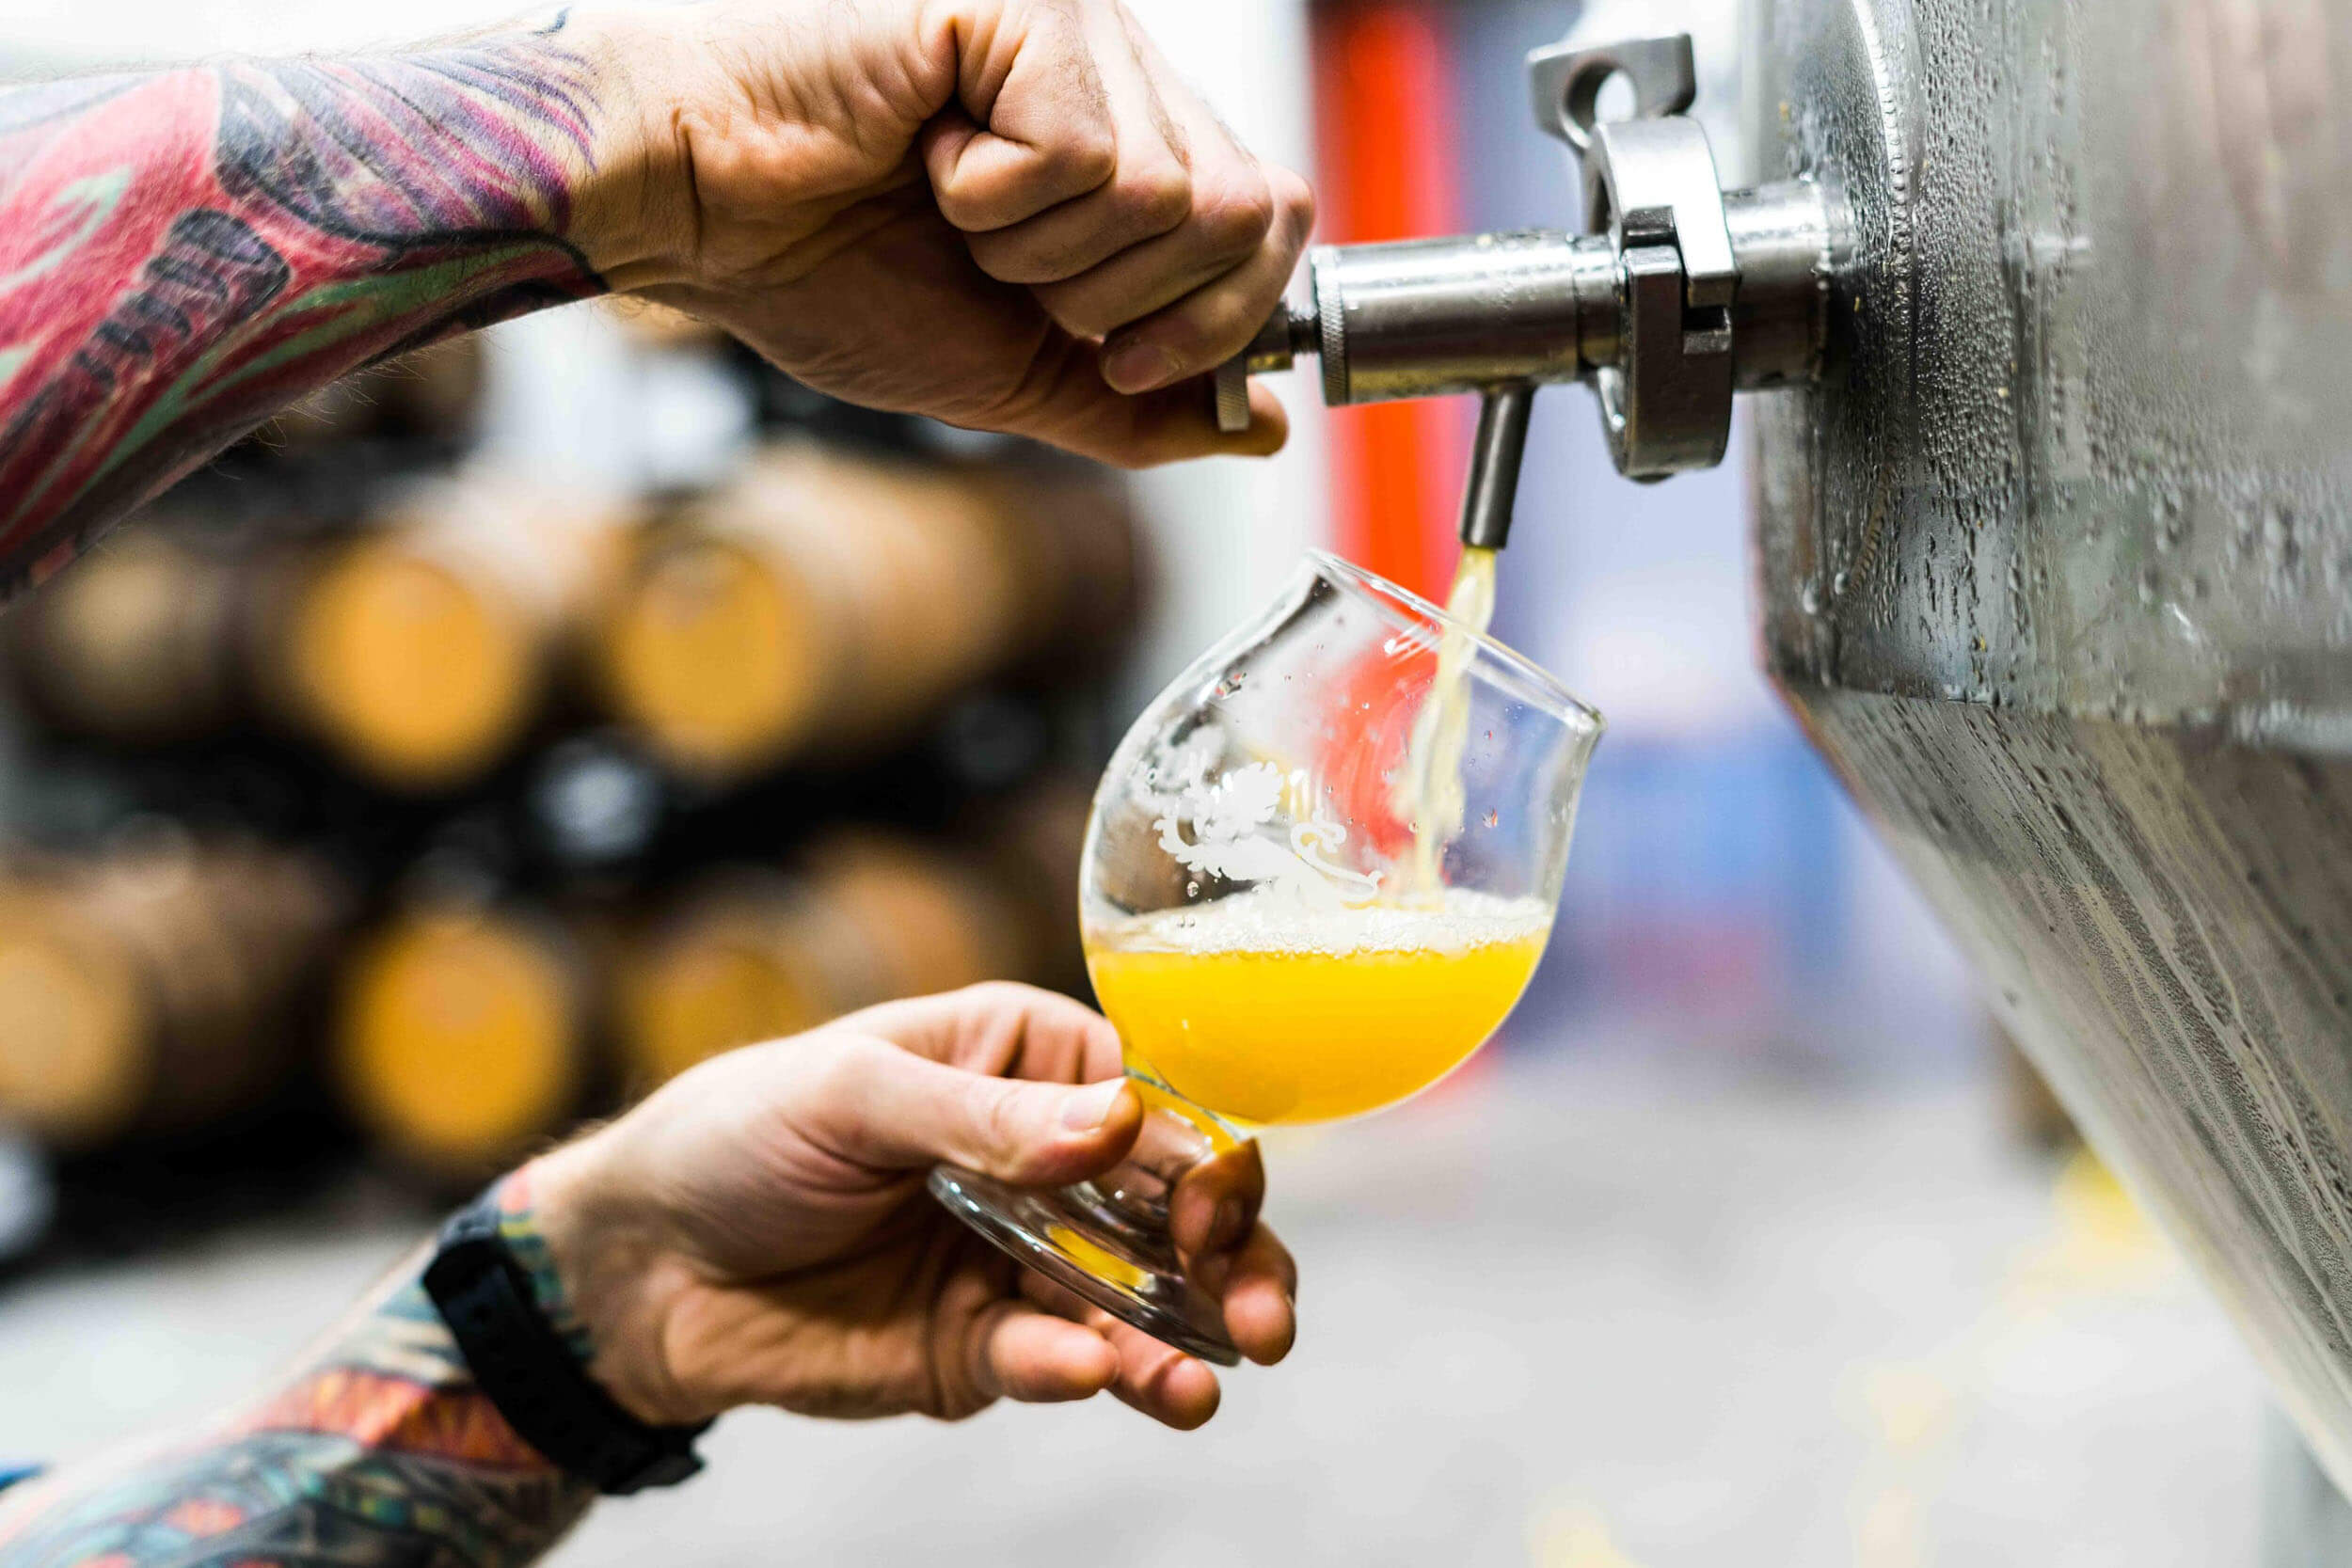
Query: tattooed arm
x=756, y=1232
x=183, y=254
x=1008, y=214
x=381, y=1453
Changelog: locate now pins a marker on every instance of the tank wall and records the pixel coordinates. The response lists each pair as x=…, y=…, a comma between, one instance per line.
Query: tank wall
x=2055, y=567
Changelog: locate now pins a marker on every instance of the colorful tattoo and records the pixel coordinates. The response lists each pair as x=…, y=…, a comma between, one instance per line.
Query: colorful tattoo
x=520, y=1230
x=383, y=1454
x=184, y=254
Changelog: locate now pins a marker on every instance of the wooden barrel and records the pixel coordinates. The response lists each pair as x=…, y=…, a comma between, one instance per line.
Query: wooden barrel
x=135, y=646
x=157, y=989
x=751, y=955
x=463, y=1034
x=929, y=920
x=745, y=956
x=1081, y=566
x=817, y=608
x=420, y=650
x=1030, y=845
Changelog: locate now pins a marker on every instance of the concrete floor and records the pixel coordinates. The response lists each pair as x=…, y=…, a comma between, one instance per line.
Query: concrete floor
x=1568, y=1316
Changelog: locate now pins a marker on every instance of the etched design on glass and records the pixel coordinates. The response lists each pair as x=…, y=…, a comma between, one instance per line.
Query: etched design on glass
x=1230, y=815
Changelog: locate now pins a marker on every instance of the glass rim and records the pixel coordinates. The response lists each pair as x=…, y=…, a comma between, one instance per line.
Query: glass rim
x=1532, y=681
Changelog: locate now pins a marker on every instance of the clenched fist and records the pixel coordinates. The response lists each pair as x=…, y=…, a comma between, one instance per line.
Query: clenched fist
x=1009, y=214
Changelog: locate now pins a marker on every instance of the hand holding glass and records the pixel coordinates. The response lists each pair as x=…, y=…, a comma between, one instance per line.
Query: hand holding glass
x=1275, y=934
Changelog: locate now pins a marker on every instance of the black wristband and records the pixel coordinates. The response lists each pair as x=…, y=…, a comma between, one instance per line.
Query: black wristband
x=521, y=1363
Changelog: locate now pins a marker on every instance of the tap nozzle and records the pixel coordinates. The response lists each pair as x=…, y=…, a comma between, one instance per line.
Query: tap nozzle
x=1494, y=471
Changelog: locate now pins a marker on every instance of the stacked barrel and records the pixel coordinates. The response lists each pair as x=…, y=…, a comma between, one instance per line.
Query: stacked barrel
x=361, y=781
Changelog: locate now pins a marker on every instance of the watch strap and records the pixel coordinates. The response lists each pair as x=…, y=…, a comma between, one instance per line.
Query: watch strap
x=522, y=1365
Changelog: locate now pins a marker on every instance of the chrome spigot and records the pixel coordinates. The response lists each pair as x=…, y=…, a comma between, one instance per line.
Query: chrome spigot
x=1681, y=293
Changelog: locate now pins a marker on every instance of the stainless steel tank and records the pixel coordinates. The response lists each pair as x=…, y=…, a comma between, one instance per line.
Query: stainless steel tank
x=2045, y=306
x=2055, y=564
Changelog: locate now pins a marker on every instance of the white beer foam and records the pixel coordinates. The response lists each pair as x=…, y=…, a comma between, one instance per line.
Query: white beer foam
x=1266, y=920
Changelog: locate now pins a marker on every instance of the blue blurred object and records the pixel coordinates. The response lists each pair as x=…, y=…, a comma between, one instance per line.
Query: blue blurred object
x=1724, y=896
x=28, y=1197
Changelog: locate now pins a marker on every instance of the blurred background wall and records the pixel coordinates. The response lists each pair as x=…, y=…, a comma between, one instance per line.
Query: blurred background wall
x=482, y=744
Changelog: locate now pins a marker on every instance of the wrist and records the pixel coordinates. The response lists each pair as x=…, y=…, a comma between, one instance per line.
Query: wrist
x=600, y=1273
x=633, y=213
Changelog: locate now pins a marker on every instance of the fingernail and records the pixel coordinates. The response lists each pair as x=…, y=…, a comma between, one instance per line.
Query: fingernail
x=1090, y=1108
x=1137, y=367
x=1225, y=1225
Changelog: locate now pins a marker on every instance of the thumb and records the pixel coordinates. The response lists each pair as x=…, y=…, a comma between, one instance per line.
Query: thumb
x=892, y=1109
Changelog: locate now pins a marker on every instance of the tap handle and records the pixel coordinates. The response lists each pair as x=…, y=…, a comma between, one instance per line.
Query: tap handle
x=1287, y=334
x=1232, y=395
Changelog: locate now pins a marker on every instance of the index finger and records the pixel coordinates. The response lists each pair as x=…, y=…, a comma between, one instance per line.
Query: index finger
x=1000, y=1028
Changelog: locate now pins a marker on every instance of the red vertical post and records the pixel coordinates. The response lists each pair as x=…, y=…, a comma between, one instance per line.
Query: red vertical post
x=1386, y=166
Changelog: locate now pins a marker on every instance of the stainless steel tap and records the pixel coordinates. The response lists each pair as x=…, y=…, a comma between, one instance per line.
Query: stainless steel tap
x=1681, y=293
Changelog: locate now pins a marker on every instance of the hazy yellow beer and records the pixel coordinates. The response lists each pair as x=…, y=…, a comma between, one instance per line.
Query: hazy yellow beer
x=1268, y=1015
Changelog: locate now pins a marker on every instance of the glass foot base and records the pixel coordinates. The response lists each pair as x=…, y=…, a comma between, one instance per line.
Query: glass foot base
x=1074, y=1237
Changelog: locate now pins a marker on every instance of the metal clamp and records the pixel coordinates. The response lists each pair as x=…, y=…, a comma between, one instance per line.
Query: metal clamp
x=1567, y=79
x=1666, y=404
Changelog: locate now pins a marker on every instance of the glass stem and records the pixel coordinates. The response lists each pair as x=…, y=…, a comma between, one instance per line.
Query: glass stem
x=1177, y=1136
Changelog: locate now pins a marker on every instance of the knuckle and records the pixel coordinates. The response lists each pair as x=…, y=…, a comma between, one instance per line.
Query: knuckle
x=960, y=210
x=1158, y=198
x=843, y=1066
x=1084, y=158
x=994, y=1107
x=1296, y=201
x=1076, y=312
x=1235, y=219
x=1000, y=256
x=1209, y=331
x=1000, y=995
x=847, y=1065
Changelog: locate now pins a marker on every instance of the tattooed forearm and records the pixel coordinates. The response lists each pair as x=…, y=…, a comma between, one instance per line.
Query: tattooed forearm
x=381, y=1454
x=184, y=254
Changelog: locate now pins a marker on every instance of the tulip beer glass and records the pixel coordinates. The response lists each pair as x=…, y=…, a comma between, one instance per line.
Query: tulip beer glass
x=1281, y=924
